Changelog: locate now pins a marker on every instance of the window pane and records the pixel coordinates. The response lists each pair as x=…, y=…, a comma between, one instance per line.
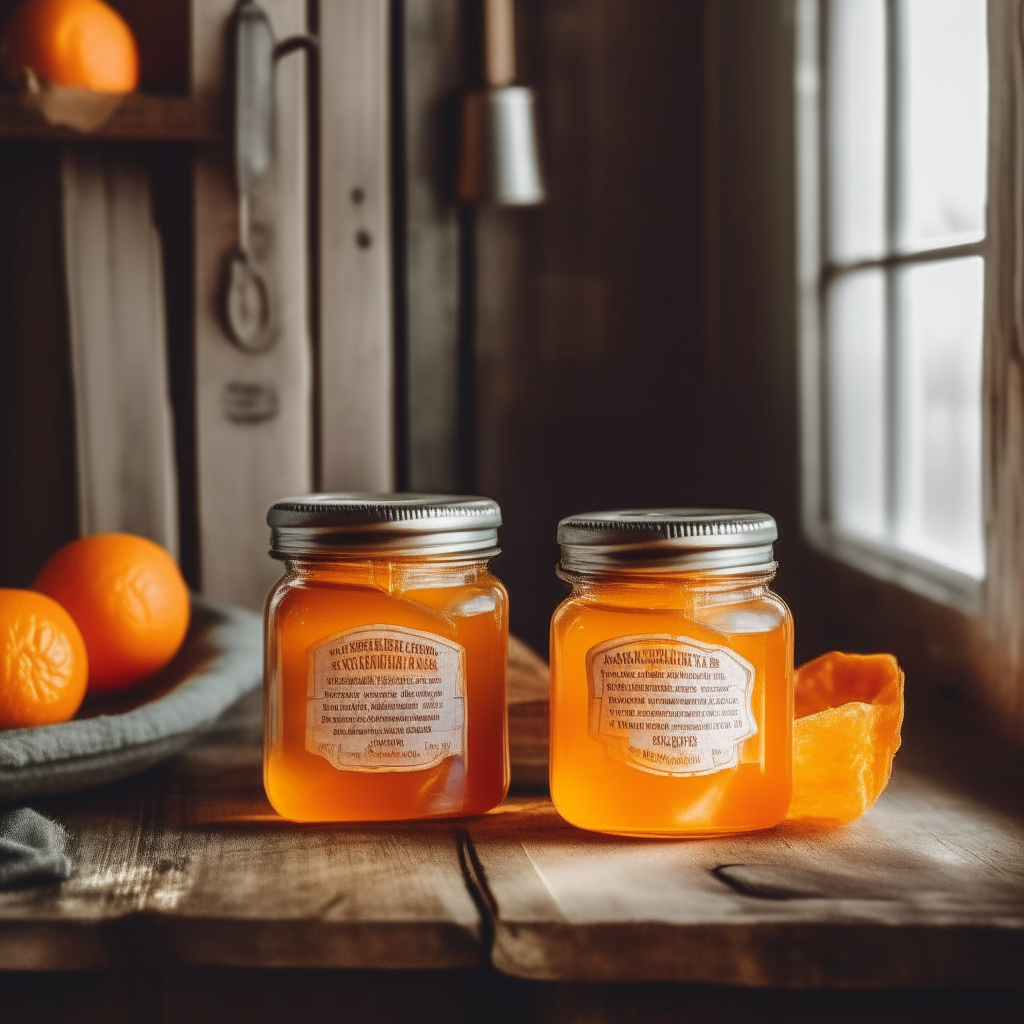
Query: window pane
x=944, y=121
x=939, y=459
x=856, y=403
x=855, y=116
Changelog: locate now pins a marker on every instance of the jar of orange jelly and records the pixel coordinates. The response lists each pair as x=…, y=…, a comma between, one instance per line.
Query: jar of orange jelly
x=671, y=674
x=386, y=658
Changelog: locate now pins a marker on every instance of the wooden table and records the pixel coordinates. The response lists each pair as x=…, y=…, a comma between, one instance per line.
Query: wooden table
x=186, y=873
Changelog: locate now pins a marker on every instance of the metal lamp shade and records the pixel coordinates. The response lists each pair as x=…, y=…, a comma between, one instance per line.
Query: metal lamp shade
x=499, y=162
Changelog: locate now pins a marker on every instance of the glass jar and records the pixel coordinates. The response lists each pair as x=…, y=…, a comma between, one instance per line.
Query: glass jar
x=386, y=658
x=671, y=674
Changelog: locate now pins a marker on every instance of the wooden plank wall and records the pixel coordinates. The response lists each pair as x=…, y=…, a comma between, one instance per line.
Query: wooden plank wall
x=626, y=343
x=246, y=429
x=1003, y=393
x=355, y=373
x=38, y=510
x=252, y=411
x=430, y=271
x=82, y=287
x=264, y=429
x=127, y=479
x=630, y=342
x=589, y=308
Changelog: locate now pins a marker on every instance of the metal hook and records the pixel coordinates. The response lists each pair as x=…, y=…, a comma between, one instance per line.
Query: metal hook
x=246, y=304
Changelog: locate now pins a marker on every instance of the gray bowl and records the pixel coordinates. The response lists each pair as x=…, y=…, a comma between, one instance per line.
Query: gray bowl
x=114, y=737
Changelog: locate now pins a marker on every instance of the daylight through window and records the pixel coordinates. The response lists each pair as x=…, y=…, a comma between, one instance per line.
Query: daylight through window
x=902, y=104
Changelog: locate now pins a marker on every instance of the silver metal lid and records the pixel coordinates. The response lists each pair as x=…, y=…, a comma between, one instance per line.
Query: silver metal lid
x=667, y=539
x=359, y=525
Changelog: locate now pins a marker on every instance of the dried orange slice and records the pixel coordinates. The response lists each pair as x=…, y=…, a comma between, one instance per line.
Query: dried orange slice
x=849, y=709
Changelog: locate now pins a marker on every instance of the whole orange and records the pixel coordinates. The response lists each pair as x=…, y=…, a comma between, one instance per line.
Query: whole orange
x=129, y=600
x=43, y=663
x=82, y=44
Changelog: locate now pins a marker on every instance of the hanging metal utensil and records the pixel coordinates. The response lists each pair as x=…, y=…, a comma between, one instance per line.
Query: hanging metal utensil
x=246, y=302
x=498, y=160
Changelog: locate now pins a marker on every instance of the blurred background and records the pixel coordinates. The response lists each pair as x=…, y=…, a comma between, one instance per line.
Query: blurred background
x=756, y=279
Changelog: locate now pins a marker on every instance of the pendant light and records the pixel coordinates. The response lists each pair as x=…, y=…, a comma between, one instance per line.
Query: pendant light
x=498, y=161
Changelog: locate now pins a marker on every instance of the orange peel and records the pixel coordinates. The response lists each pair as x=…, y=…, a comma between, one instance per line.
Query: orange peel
x=849, y=709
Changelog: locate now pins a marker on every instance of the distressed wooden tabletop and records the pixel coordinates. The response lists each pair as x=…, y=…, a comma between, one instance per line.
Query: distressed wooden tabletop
x=189, y=865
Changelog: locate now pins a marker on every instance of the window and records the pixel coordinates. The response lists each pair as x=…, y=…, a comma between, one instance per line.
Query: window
x=893, y=125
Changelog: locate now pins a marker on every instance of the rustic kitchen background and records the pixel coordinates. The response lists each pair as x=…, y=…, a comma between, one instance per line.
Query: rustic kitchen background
x=631, y=341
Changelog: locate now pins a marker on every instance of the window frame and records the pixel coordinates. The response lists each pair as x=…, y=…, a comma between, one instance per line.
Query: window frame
x=815, y=273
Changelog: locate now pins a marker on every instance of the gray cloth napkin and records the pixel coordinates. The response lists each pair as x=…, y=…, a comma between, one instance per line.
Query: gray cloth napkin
x=220, y=661
x=31, y=849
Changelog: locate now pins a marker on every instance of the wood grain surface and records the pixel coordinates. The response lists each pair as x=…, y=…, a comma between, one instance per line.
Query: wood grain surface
x=189, y=866
x=925, y=890
x=889, y=902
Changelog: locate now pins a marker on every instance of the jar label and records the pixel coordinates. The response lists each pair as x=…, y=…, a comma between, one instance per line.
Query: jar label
x=386, y=698
x=670, y=705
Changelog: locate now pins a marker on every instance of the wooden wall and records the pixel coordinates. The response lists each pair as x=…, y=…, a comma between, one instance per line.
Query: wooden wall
x=124, y=405
x=630, y=342
x=634, y=340
x=612, y=368
x=38, y=502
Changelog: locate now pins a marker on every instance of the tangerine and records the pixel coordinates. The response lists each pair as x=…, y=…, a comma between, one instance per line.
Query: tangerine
x=43, y=662
x=82, y=44
x=129, y=600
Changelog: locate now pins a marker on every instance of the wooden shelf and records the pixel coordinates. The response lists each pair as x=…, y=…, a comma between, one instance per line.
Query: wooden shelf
x=145, y=118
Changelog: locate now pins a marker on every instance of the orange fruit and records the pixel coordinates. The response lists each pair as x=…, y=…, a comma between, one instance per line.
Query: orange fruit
x=43, y=664
x=849, y=709
x=129, y=600
x=82, y=44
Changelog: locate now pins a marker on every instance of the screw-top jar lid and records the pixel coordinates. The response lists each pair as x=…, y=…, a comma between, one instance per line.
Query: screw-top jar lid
x=667, y=540
x=359, y=525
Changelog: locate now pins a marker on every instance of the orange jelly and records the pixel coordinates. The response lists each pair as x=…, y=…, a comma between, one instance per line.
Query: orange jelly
x=671, y=674
x=386, y=659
